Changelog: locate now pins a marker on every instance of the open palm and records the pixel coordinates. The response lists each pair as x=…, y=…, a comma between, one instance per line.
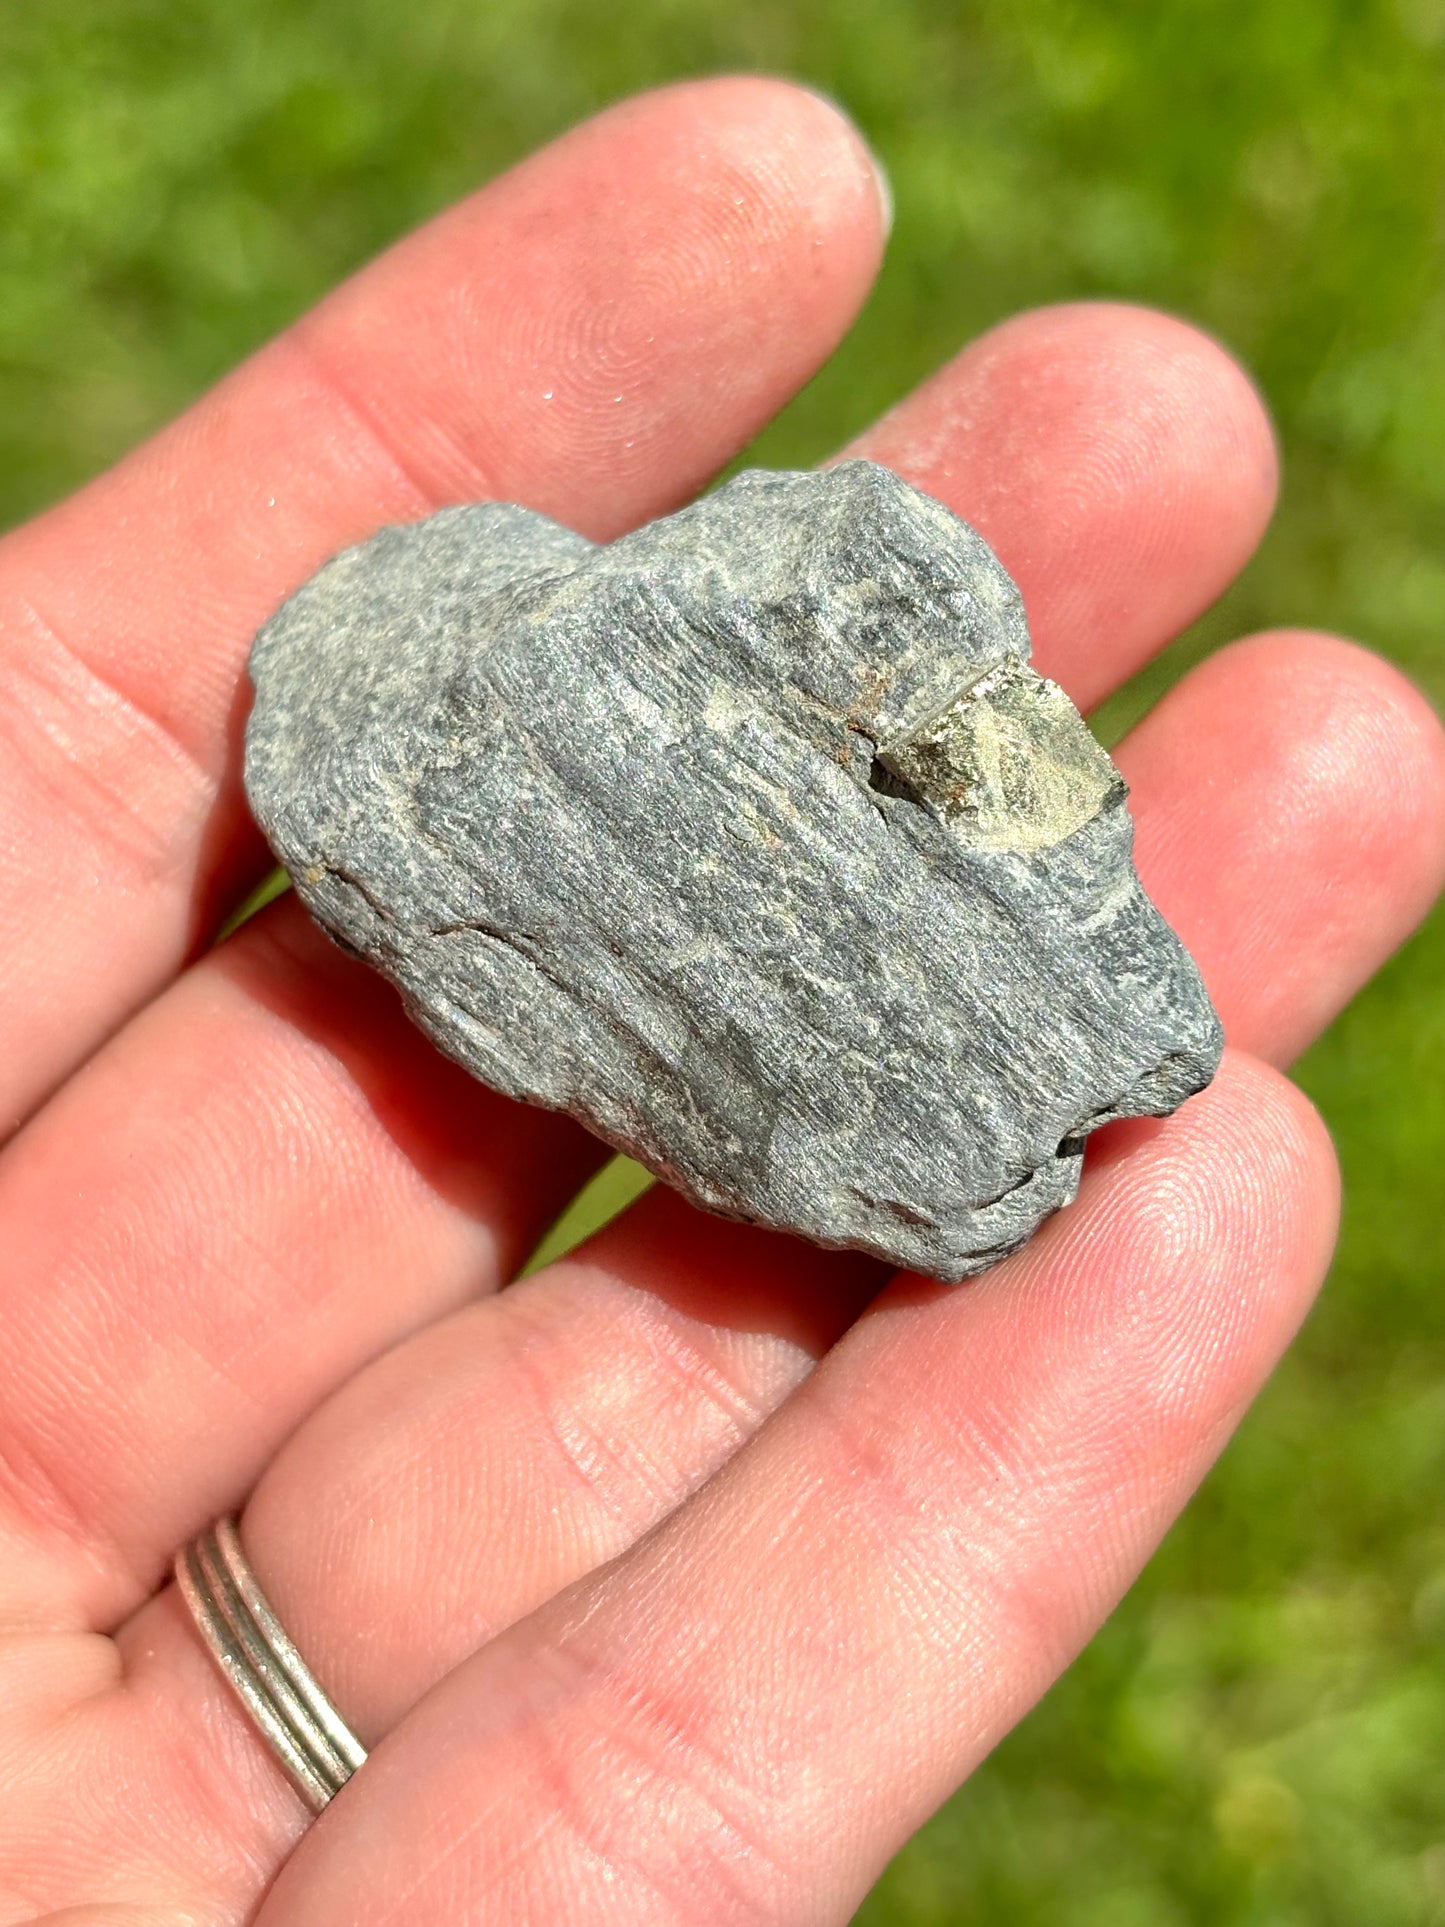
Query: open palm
x=671, y=1585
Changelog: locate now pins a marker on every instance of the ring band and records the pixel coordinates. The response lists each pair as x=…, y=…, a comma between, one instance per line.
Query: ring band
x=309, y=1738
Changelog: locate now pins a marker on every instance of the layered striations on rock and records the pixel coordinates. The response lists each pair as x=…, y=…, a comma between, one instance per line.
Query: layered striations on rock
x=750, y=839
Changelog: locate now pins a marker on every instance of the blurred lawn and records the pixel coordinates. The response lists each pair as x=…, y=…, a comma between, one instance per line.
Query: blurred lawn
x=1259, y=1735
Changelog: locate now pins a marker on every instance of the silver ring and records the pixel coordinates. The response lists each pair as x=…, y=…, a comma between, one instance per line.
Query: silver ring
x=309, y=1738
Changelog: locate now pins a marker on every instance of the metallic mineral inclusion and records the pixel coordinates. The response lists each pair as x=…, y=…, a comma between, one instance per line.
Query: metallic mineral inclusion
x=750, y=839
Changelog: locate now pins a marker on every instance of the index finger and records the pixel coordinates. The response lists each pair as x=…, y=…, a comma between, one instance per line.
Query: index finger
x=593, y=334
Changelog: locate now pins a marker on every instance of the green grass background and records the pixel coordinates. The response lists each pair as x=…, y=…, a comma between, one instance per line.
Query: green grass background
x=1259, y=1734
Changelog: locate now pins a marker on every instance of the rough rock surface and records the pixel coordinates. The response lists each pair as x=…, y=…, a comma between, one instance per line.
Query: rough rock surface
x=750, y=839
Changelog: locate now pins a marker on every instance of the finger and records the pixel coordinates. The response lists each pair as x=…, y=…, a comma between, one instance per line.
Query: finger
x=266, y=1179
x=520, y=1441
x=1290, y=803
x=1119, y=463
x=891, y=1572
x=146, y=1466
x=589, y=1400
x=592, y=1399
x=541, y=342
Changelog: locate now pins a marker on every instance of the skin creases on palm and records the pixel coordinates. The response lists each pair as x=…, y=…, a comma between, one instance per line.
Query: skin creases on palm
x=679, y=1581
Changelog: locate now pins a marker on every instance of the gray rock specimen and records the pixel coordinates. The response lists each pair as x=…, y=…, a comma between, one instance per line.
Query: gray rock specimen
x=750, y=839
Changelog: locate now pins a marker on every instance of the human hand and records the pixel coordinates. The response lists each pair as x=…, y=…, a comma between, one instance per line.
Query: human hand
x=646, y=1619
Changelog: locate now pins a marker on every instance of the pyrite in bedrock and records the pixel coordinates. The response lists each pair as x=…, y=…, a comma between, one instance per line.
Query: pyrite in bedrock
x=750, y=839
